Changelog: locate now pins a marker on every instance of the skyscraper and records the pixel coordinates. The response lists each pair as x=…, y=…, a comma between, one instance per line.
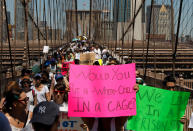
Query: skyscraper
x=160, y=21
x=20, y=20
x=121, y=10
x=123, y=13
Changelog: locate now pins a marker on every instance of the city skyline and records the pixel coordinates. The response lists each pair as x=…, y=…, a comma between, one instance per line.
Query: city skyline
x=185, y=28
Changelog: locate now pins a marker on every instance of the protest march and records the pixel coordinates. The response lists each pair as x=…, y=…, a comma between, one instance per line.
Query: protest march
x=81, y=87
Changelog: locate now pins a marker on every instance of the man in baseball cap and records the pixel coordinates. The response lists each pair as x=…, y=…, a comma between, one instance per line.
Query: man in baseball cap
x=45, y=116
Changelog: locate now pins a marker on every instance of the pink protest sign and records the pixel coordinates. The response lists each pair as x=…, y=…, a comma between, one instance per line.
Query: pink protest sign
x=65, y=67
x=102, y=91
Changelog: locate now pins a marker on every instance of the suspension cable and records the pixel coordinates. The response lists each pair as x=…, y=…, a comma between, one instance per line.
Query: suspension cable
x=38, y=30
x=10, y=52
x=149, y=32
x=132, y=21
x=177, y=34
x=132, y=46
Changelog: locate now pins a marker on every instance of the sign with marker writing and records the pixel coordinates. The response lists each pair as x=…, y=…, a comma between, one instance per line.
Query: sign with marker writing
x=158, y=110
x=87, y=59
x=69, y=123
x=102, y=91
x=65, y=67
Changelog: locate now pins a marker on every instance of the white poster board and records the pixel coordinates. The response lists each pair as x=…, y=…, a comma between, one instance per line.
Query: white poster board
x=191, y=122
x=69, y=123
x=46, y=49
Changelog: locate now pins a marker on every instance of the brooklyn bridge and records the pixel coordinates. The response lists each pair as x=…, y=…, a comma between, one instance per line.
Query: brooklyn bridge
x=155, y=35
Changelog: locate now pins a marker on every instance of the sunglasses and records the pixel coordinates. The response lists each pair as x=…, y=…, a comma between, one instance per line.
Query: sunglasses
x=26, y=82
x=61, y=92
x=170, y=87
x=24, y=100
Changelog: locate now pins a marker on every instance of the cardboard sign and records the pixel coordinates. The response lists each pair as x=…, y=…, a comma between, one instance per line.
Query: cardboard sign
x=158, y=110
x=65, y=67
x=102, y=91
x=87, y=59
x=46, y=49
x=191, y=121
x=70, y=123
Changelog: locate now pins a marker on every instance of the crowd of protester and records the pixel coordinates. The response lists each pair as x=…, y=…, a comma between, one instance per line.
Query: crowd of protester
x=35, y=100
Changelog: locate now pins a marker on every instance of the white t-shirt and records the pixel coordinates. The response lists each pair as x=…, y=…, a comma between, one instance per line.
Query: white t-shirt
x=98, y=53
x=41, y=95
x=28, y=127
x=30, y=105
x=13, y=128
x=53, y=68
x=64, y=107
x=77, y=56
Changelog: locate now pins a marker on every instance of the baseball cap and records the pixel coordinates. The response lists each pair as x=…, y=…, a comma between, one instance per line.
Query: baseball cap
x=58, y=76
x=37, y=75
x=45, y=113
x=25, y=78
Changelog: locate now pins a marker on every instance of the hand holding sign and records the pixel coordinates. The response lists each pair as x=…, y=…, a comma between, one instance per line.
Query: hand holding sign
x=102, y=91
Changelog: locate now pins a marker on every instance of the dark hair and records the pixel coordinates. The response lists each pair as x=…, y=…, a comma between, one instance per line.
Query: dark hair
x=96, y=63
x=46, y=74
x=60, y=87
x=10, y=97
x=25, y=71
x=128, y=62
x=169, y=79
x=77, y=61
x=43, y=127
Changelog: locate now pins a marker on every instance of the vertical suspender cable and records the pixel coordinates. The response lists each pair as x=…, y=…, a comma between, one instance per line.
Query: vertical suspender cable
x=103, y=22
x=33, y=31
x=71, y=14
x=45, y=23
x=63, y=9
x=149, y=32
x=110, y=24
x=50, y=29
x=10, y=52
x=1, y=40
x=177, y=34
x=90, y=18
x=117, y=19
x=153, y=13
x=132, y=46
x=76, y=8
x=55, y=21
x=38, y=30
x=125, y=7
x=26, y=30
x=15, y=21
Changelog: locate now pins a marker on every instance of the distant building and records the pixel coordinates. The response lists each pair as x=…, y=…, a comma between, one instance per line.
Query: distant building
x=123, y=13
x=42, y=24
x=20, y=20
x=121, y=10
x=187, y=38
x=9, y=17
x=4, y=24
x=160, y=21
x=83, y=23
